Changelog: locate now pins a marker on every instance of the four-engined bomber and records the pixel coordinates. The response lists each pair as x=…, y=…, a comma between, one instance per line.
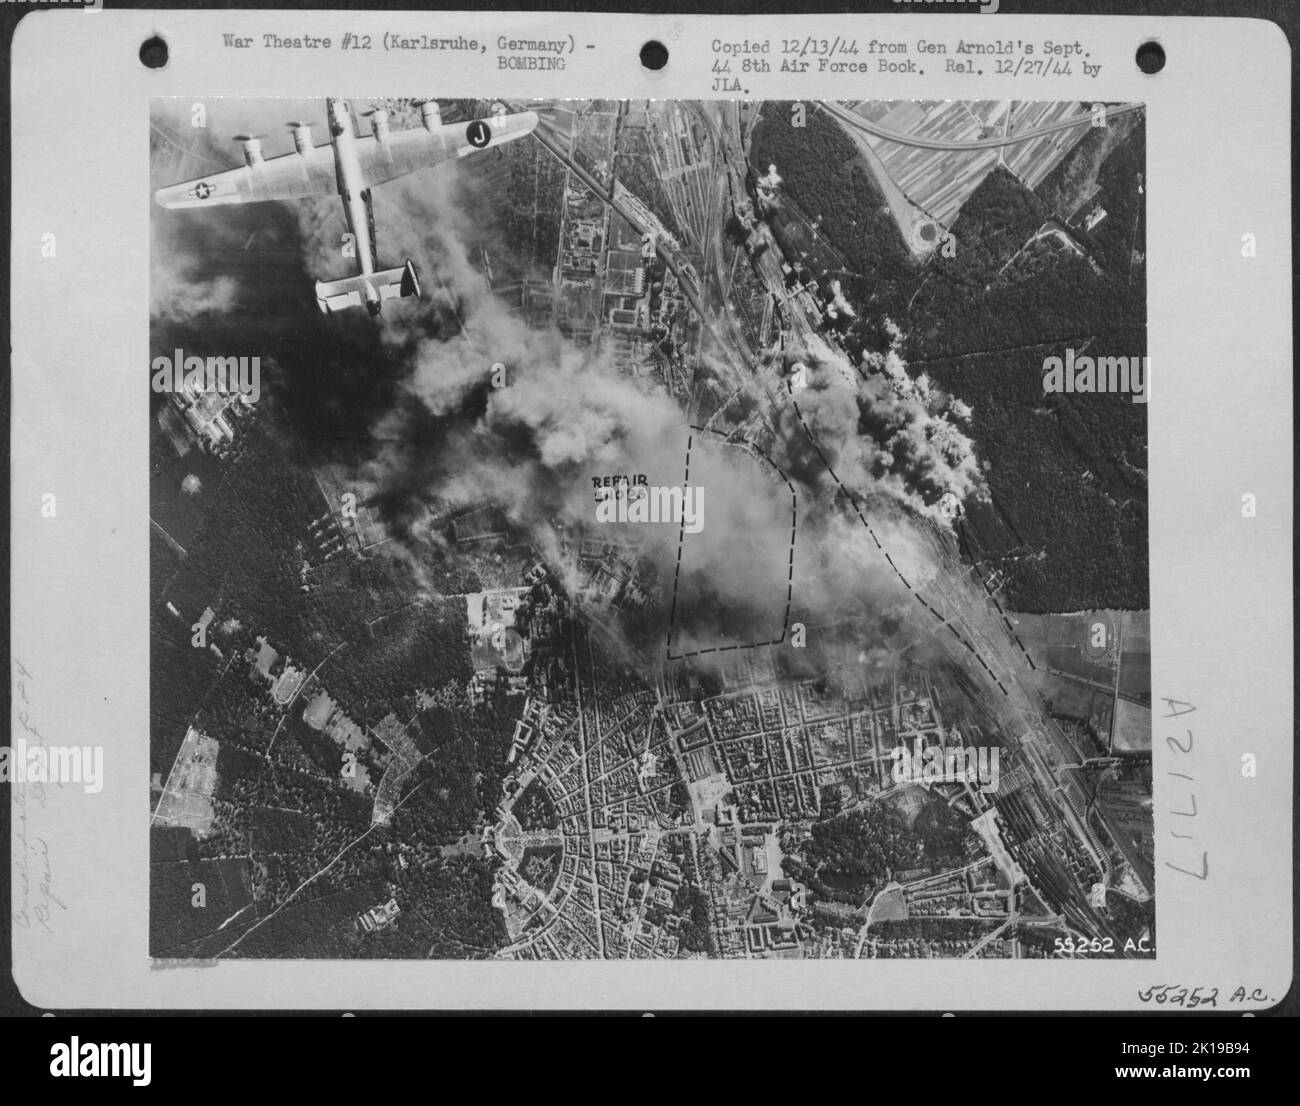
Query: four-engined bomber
x=350, y=164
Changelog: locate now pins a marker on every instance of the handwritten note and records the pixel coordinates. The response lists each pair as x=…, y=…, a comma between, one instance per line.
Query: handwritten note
x=33, y=872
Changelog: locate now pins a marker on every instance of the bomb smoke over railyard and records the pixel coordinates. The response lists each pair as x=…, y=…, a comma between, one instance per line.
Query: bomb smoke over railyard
x=412, y=600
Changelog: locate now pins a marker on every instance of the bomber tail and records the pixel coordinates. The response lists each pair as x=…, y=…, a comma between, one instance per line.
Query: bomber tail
x=369, y=289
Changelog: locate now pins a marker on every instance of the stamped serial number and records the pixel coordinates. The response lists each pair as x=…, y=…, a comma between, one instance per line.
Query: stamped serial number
x=1101, y=946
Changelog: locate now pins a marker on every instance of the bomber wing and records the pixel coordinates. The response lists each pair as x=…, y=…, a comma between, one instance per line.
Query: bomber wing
x=292, y=176
x=402, y=152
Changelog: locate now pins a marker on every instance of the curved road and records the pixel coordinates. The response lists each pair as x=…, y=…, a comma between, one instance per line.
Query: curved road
x=855, y=120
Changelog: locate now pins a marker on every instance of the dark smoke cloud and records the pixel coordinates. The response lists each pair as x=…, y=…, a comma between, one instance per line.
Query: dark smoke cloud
x=238, y=279
x=566, y=415
x=408, y=410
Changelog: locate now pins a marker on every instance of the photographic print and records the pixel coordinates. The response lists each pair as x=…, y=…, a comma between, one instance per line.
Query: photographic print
x=649, y=529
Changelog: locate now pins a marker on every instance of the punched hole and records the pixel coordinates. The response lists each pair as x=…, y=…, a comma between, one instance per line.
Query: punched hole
x=153, y=52
x=1150, y=57
x=654, y=55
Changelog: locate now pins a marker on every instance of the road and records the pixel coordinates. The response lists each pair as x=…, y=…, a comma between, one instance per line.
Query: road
x=959, y=602
x=977, y=630
x=859, y=123
x=675, y=260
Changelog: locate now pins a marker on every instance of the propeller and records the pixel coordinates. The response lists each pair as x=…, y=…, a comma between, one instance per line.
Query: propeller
x=378, y=117
x=301, y=135
x=252, y=147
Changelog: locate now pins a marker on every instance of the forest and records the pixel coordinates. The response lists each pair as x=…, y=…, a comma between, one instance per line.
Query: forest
x=374, y=639
x=851, y=854
x=1067, y=473
x=292, y=820
x=824, y=176
x=535, y=809
x=1067, y=522
x=385, y=638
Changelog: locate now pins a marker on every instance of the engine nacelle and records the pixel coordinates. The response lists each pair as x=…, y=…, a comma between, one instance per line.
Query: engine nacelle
x=252, y=151
x=432, y=115
x=302, y=138
x=379, y=124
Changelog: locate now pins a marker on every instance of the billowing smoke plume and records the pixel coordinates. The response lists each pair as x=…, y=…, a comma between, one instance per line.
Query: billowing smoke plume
x=838, y=307
x=528, y=419
x=180, y=292
x=190, y=137
x=883, y=431
x=459, y=400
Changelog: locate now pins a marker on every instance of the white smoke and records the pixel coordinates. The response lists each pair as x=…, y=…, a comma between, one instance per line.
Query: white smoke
x=883, y=431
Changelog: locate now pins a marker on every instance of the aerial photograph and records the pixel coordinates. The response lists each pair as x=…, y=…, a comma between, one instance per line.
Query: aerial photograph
x=648, y=529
